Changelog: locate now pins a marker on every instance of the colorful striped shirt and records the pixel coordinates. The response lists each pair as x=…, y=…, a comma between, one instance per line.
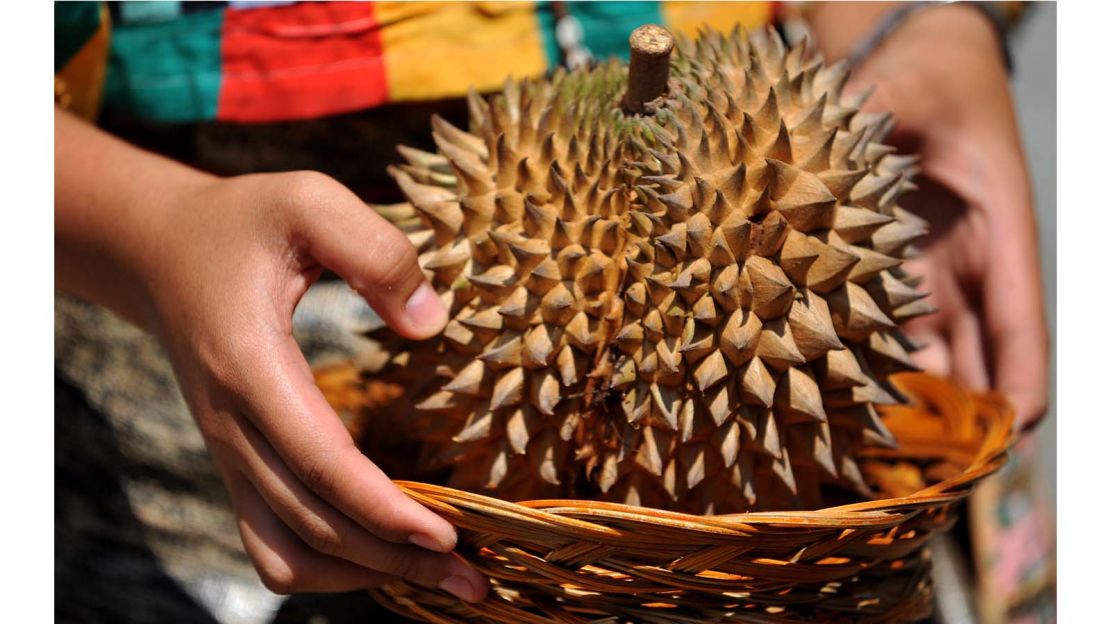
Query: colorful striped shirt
x=184, y=62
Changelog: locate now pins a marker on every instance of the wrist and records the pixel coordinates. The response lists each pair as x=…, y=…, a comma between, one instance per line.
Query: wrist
x=838, y=27
x=158, y=224
x=111, y=206
x=940, y=69
x=955, y=25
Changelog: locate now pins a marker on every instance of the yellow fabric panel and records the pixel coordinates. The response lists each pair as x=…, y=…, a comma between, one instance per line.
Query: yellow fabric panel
x=438, y=49
x=687, y=17
x=80, y=83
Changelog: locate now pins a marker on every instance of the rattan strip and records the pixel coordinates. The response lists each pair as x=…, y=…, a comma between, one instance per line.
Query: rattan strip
x=585, y=561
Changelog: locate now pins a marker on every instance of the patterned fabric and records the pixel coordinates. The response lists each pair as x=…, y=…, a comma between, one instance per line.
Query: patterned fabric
x=81, y=36
x=175, y=62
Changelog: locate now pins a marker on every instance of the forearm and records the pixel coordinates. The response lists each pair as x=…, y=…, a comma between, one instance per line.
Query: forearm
x=109, y=202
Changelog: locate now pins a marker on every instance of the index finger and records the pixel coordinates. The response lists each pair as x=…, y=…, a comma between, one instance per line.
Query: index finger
x=1016, y=326
x=286, y=406
x=1013, y=297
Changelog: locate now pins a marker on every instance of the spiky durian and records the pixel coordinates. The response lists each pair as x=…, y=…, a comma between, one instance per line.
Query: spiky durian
x=694, y=306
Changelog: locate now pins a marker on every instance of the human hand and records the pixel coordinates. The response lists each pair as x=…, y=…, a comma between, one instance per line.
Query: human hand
x=215, y=267
x=235, y=257
x=942, y=75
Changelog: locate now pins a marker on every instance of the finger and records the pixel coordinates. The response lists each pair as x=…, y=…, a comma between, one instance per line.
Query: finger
x=280, y=398
x=324, y=529
x=374, y=257
x=1013, y=299
x=284, y=563
x=969, y=361
x=1018, y=335
x=934, y=353
x=952, y=338
x=934, y=356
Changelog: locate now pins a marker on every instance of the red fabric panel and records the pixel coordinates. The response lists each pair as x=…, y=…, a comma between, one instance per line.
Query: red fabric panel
x=300, y=61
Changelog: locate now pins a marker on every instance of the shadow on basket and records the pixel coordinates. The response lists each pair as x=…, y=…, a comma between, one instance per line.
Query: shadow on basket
x=587, y=561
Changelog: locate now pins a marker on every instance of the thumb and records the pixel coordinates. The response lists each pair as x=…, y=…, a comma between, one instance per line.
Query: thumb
x=375, y=258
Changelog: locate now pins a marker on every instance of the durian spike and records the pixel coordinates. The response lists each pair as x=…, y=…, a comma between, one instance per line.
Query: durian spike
x=395, y=213
x=676, y=284
x=460, y=138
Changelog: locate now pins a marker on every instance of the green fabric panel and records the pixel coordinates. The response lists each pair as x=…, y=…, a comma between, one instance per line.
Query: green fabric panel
x=74, y=24
x=136, y=11
x=546, y=18
x=607, y=25
x=166, y=71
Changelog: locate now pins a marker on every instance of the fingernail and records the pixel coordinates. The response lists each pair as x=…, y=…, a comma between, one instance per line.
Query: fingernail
x=425, y=310
x=459, y=587
x=428, y=542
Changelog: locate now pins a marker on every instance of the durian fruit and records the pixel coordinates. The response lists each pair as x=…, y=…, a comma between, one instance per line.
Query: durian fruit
x=687, y=303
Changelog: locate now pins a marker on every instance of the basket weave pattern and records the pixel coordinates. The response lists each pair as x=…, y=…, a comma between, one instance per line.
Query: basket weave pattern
x=581, y=561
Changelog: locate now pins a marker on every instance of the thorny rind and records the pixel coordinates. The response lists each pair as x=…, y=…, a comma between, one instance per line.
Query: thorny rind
x=695, y=309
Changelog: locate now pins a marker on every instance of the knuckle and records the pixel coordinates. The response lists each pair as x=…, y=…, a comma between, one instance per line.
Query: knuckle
x=225, y=375
x=220, y=435
x=399, y=266
x=306, y=196
x=318, y=475
x=377, y=525
x=279, y=579
x=401, y=562
x=318, y=534
x=301, y=187
x=224, y=358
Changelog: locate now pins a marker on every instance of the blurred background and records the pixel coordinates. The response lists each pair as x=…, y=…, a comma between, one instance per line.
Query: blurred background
x=1035, y=91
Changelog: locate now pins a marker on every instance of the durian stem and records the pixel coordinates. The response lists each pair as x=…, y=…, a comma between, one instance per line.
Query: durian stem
x=649, y=68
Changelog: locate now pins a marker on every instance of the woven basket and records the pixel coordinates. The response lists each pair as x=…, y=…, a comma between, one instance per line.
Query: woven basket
x=582, y=561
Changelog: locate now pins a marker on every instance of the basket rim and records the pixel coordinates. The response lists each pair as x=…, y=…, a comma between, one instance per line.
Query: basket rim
x=581, y=516
x=560, y=559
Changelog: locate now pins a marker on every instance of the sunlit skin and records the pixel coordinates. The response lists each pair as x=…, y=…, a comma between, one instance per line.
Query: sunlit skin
x=942, y=75
x=215, y=267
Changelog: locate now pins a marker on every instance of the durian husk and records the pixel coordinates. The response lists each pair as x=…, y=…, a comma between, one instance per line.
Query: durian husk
x=694, y=310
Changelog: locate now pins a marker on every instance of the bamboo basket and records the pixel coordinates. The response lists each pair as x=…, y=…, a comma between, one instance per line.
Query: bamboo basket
x=580, y=561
